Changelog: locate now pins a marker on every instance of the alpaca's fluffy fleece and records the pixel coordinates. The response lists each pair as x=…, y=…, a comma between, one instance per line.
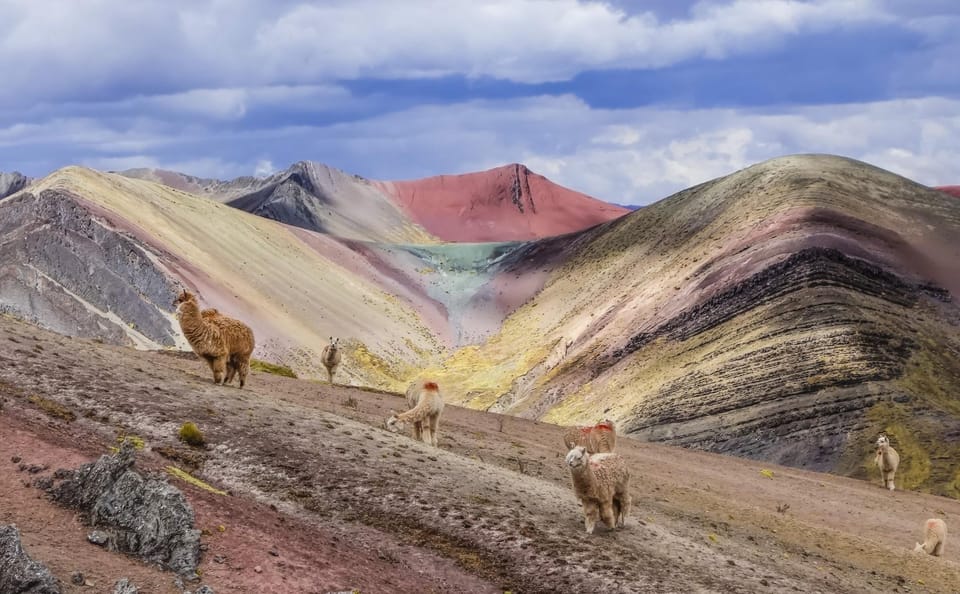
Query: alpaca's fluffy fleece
x=598, y=438
x=887, y=460
x=602, y=484
x=224, y=343
x=934, y=537
x=425, y=414
x=330, y=357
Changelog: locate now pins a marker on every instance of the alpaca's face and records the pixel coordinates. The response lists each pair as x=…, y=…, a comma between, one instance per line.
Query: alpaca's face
x=577, y=457
x=393, y=425
x=182, y=298
x=882, y=441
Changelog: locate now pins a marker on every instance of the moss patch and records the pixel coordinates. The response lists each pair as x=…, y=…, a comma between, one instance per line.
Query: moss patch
x=275, y=369
x=189, y=478
x=53, y=408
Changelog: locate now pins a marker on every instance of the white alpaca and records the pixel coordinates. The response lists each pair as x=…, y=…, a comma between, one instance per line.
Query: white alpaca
x=887, y=460
x=330, y=357
x=425, y=414
x=602, y=484
x=934, y=537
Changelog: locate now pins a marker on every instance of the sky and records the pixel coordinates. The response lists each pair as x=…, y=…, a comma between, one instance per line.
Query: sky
x=628, y=101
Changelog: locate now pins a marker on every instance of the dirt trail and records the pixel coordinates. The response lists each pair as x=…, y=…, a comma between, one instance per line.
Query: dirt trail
x=344, y=504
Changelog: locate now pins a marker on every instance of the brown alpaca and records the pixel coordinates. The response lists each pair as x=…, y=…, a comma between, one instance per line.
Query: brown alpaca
x=224, y=343
x=425, y=416
x=331, y=358
x=602, y=484
x=598, y=438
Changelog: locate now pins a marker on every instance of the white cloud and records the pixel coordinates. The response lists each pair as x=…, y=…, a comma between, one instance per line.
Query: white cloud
x=87, y=50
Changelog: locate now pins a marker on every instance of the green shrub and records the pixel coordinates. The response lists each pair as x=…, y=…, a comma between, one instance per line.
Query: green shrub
x=190, y=434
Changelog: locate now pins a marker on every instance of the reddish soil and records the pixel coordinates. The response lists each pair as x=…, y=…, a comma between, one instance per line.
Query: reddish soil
x=952, y=190
x=322, y=499
x=509, y=203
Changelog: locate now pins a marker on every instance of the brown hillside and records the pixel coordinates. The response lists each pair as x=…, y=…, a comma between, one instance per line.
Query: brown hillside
x=323, y=499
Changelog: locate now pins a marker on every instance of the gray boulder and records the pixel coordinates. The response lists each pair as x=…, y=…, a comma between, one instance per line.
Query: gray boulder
x=144, y=517
x=125, y=587
x=19, y=574
x=11, y=183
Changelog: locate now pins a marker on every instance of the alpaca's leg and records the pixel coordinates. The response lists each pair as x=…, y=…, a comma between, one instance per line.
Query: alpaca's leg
x=427, y=435
x=219, y=366
x=231, y=370
x=938, y=549
x=329, y=376
x=418, y=431
x=434, y=429
x=243, y=368
x=606, y=512
x=624, y=501
x=590, y=514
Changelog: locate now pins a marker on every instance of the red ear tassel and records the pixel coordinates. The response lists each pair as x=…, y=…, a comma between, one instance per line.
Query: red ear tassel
x=431, y=386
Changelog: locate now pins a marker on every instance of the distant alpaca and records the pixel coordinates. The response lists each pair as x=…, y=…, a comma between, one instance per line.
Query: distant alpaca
x=331, y=358
x=598, y=438
x=934, y=537
x=425, y=415
x=602, y=484
x=224, y=343
x=887, y=460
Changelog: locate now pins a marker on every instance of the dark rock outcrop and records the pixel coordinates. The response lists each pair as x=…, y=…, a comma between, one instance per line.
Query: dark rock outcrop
x=11, y=183
x=19, y=574
x=67, y=270
x=144, y=517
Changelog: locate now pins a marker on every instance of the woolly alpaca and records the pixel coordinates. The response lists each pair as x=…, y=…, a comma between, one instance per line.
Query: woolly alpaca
x=425, y=414
x=224, y=343
x=331, y=358
x=934, y=537
x=602, y=484
x=599, y=438
x=887, y=460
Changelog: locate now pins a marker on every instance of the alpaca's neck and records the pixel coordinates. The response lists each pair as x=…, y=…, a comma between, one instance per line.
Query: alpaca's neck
x=194, y=327
x=583, y=477
x=417, y=413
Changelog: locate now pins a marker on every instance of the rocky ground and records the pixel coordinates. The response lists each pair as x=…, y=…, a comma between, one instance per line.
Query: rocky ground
x=320, y=498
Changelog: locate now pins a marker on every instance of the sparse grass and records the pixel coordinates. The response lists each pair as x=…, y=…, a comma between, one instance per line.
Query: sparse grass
x=136, y=440
x=190, y=434
x=189, y=478
x=275, y=369
x=53, y=408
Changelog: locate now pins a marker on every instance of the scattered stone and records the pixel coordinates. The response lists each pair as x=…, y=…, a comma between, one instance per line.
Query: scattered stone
x=204, y=590
x=274, y=553
x=19, y=574
x=16, y=459
x=124, y=586
x=219, y=559
x=98, y=537
x=77, y=578
x=147, y=518
x=258, y=569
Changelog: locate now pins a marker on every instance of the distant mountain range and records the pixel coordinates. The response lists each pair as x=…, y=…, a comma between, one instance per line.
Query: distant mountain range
x=508, y=203
x=789, y=312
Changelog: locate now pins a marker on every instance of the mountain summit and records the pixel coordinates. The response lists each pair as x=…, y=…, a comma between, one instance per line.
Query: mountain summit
x=508, y=203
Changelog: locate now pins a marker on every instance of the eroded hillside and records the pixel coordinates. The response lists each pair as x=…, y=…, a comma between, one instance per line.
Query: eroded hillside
x=788, y=312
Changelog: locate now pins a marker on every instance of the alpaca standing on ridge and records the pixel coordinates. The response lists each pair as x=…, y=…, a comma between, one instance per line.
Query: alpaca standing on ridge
x=887, y=460
x=331, y=358
x=602, y=484
x=224, y=343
